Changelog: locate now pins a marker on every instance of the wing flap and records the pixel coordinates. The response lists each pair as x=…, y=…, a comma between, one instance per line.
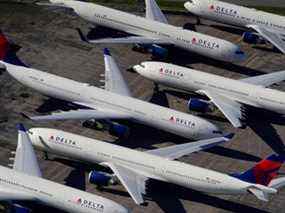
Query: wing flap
x=80, y=115
x=266, y=80
x=133, y=182
x=114, y=81
x=7, y=194
x=25, y=158
x=174, y=152
x=230, y=108
x=277, y=38
x=153, y=12
x=128, y=40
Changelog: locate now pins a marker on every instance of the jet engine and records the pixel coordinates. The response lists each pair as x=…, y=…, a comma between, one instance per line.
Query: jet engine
x=156, y=50
x=252, y=38
x=199, y=105
x=119, y=130
x=92, y=124
x=20, y=209
x=101, y=178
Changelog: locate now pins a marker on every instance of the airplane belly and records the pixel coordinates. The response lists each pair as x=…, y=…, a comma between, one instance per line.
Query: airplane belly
x=169, y=126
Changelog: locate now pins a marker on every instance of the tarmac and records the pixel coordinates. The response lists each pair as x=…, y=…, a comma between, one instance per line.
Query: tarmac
x=50, y=43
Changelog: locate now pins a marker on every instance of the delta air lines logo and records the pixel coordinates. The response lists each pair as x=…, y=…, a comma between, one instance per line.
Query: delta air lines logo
x=223, y=10
x=205, y=43
x=88, y=204
x=171, y=73
x=63, y=141
x=181, y=121
x=212, y=7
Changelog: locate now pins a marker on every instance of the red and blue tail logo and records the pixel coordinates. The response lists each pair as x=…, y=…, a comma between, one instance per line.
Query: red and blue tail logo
x=264, y=171
x=8, y=52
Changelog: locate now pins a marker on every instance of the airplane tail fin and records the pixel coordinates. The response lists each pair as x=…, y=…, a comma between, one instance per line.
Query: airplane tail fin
x=264, y=171
x=8, y=51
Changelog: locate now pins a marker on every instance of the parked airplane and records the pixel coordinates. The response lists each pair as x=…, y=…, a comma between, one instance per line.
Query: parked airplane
x=230, y=96
x=113, y=103
x=264, y=26
x=25, y=183
x=133, y=167
x=152, y=31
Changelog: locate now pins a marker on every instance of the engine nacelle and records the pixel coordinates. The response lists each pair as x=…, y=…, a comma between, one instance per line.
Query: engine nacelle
x=101, y=178
x=252, y=38
x=93, y=124
x=156, y=50
x=199, y=105
x=119, y=130
x=20, y=209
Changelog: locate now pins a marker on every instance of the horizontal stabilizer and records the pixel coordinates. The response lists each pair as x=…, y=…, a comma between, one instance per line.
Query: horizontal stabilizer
x=277, y=183
x=261, y=192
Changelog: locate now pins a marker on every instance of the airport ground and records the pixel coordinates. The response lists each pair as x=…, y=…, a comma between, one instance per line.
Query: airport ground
x=50, y=43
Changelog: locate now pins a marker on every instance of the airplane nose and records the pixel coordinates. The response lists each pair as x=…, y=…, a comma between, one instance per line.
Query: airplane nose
x=137, y=68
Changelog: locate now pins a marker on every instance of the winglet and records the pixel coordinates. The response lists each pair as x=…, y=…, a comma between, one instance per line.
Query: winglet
x=107, y=52
x=20, y=127
x=25, y=158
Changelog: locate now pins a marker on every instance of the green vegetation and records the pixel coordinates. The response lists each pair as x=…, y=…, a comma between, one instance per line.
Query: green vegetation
x=178, y=6
x=277, y=10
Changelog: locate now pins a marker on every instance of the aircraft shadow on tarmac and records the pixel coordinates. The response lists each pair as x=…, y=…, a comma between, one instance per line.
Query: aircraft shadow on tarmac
x=170, y=201
x=184, y=58
x=263, y=127
x=229, y=29
x=168, y=197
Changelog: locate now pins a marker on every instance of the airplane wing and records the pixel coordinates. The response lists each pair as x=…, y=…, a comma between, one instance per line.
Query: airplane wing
x=124, y=40
x=114, y=81
x=277, y=38
x=25, y=158
x=7, y=194
x=153, y=12
x=174, y=152
x=231, y=109
x=133, y=182
x=267, y=79
x=82, y=114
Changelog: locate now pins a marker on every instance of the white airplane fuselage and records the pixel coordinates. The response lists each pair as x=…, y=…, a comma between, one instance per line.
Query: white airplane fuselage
x=234, y=14
x=173, y=121
x=189, y=40
x=56, y=195
x=193, y=80
x=148, y=165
